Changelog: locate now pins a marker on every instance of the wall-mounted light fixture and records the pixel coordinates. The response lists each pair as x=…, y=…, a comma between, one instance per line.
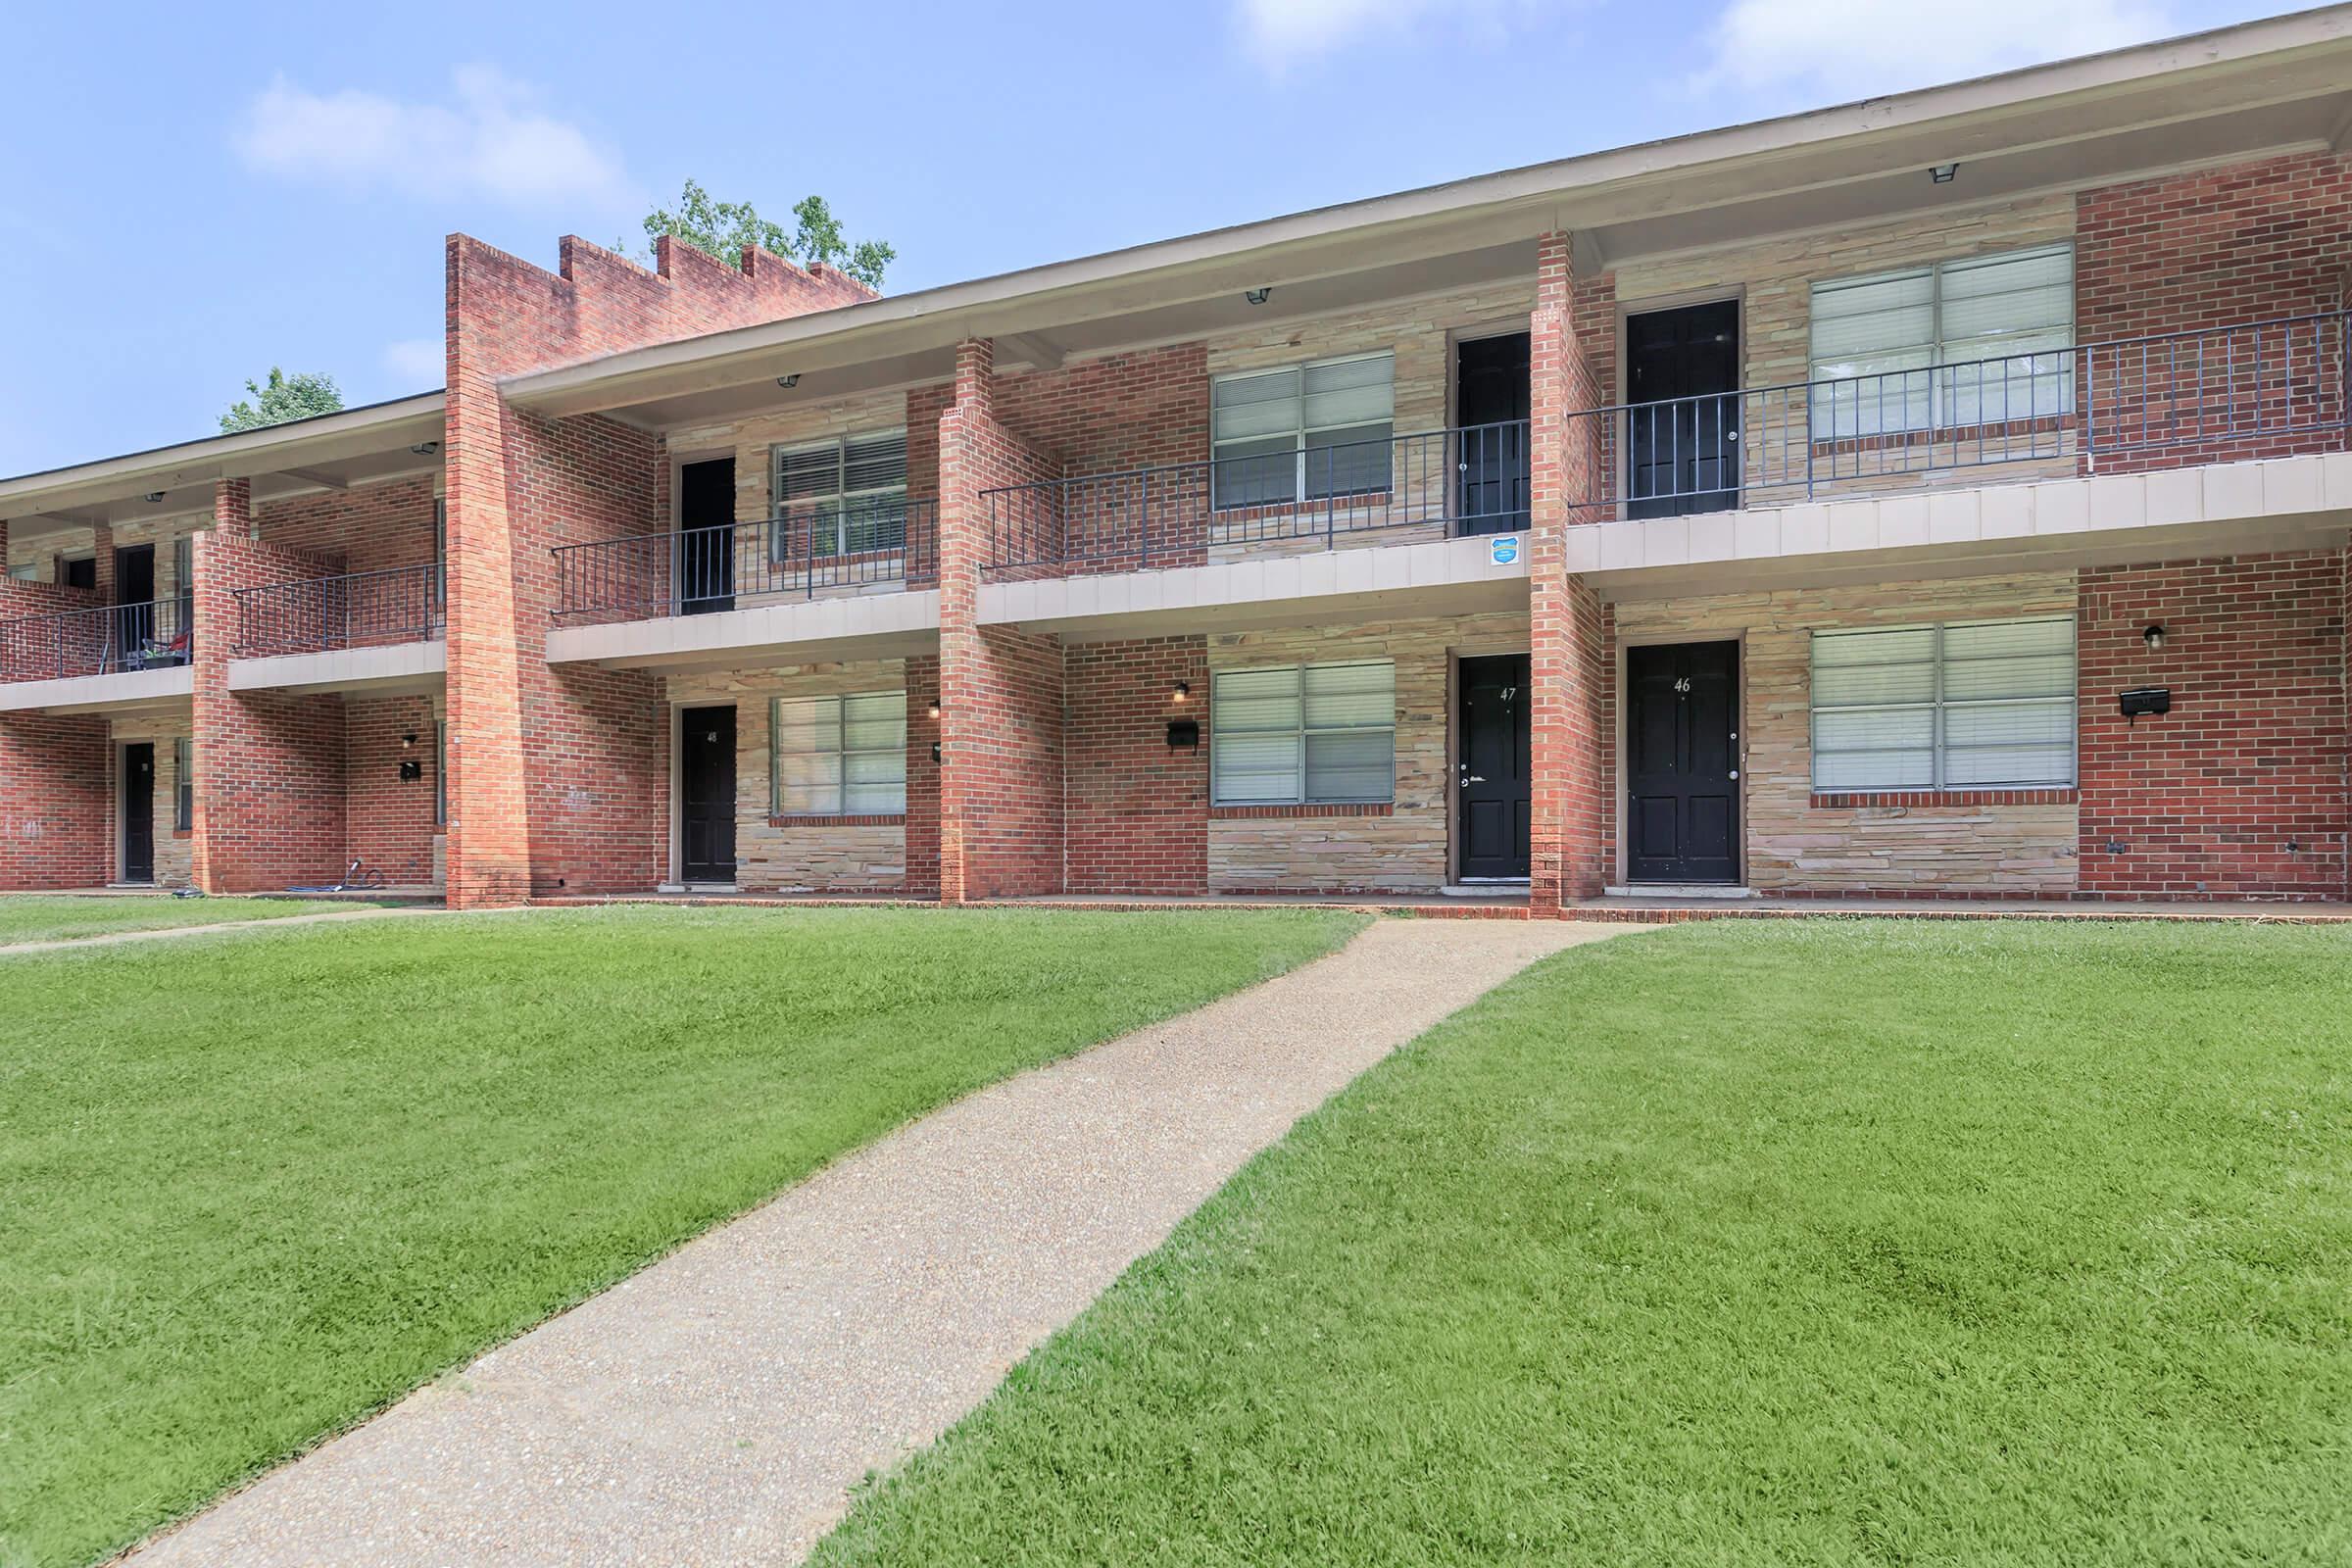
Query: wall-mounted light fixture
x=408, y=742
x=1945, y=174
x=1258, y=296
x=2154, y=638
x=788, y=382
x=933, y=709
x=1183, y=691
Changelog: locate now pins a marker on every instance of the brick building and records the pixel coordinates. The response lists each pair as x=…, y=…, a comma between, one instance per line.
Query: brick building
x=1942, y=495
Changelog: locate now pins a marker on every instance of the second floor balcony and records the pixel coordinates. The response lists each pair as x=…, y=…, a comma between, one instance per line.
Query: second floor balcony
x=101, y=640
x=352, y=610
x=1433, y=485
x=804, y=553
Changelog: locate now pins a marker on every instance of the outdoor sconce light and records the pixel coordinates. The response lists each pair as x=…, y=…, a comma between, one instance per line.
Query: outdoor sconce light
x=1258, y=296
x=408, y=742
x=2146, y=700
x=788, y=382
x=2154, y=638
x=1184, y=690
x=933, y=709
x=1945, y=174
x=1184, y=733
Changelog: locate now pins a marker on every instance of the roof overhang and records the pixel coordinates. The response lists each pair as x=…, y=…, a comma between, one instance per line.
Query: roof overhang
x=2275, y=84
x=330, y=451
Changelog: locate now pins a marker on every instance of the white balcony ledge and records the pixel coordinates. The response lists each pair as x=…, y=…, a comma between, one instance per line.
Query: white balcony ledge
x=2275, y=504
x=122, y=691
x=888, y=625
x=1443, y=577
x=388, y=670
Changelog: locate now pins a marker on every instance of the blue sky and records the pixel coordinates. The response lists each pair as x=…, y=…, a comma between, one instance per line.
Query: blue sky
x=196, y=193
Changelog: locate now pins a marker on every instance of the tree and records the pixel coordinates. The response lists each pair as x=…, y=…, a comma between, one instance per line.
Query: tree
x=285, y=397
x=724, y=228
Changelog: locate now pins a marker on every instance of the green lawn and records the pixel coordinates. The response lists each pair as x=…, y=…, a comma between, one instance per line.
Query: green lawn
x=51, y=918
x=256, y=1186
x=1746, y=1242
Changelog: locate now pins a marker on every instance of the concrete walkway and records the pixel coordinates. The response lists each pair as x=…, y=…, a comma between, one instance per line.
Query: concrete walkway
x=716, y=1407
x=258, y=922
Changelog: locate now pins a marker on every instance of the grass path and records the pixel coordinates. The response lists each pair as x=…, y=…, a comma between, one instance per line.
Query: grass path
x=1825, y=1241
x=51, y=918
x=259, y=1188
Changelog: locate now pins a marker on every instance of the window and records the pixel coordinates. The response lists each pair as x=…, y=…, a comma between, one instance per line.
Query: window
x=1960, y=343
x=183, y=785
x=836, y=754
x=851, y=490
x=440, y=530
x=183, y=573
x=25, y=571
x=1312, y=430
x=441, y=773
x=1304, y=733
x=1988, y=704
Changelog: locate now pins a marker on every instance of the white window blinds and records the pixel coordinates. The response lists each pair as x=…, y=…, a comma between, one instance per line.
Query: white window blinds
x=851, y=491
x=1304, y=733
x=1959, y=343
x=1314, y=430
x=1983, y=706
x=836, y=754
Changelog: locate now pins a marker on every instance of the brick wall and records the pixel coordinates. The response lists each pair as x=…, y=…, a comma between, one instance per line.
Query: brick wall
x=2218, y=248
x=390, y=819
x=56, y=830
x=922, y=776
x=1001, y=693
x=270, y=765
x=558, y=777
x=1136, y=808
x=2239, y=791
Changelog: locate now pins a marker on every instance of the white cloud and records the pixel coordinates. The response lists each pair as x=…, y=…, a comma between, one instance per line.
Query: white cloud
x=492, y=139
x=1282, y=33
x=1857, y=48
x=420, y=360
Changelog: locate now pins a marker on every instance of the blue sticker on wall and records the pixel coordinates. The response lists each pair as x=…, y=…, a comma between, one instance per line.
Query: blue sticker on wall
x=1504, y=549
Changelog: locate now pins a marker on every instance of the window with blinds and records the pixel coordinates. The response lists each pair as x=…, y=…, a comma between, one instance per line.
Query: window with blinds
x=849, y=492
x=836, y=754
x=183, y=784
x=1961, y=343
x=1306, y=430
x=1303, y=733
x=1987, y=705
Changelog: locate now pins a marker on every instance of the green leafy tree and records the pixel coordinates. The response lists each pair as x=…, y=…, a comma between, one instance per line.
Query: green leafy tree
x=285, y=397
x=724, y=228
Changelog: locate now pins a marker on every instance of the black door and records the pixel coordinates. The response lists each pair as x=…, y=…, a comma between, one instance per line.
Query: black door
x=707, y=795
x=1491, y=403
x=134, y=599
x=138, y=811
x=1682, y=436
x=1682, y=763
x=707, y=536
x=1492, y=771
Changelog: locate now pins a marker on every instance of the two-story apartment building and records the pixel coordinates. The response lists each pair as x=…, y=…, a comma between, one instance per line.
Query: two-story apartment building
x=1940, y=496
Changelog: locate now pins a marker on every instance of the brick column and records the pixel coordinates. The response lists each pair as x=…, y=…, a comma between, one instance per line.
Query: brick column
x=270, y=765
x=1571, y=676
x=1001, y=695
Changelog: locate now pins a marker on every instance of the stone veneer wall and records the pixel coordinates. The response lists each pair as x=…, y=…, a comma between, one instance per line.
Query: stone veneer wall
x=1793, y=845
x=1403, y=848
x=820, y=855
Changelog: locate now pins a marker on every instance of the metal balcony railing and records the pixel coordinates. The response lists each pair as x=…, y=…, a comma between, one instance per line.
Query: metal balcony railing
x=801, y=553
x=102, y=640
x=2261, y=389
x=356, y=610
x=1473, y=479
